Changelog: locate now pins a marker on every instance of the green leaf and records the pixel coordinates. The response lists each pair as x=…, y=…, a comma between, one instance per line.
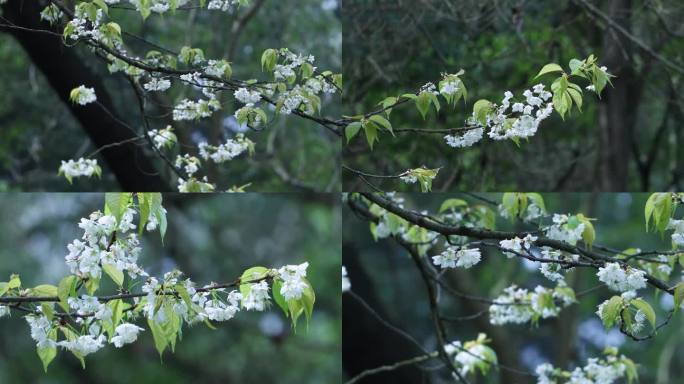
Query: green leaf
x=269, y=59
x=382, y=122
x=66, y=289
x=611, y=311
x=352, y=130
x=576, y=97
x=92, y=285
x=575, y=66
x=423, y=102
x=278, y=297
x=589, y=234
x=538, y=200
x=15, y=282
x=371, y=132
x=249, y=276
x=160, y=341
x=659, y=207
x=113, y=272
x=678, y=296
x=452, y=203
x=156, y=209
x=549, y=68
x=116, y=204
x=44, y=290
x=481, y=109
x=646, y=308
x=47, y=354
x=308, y=299
x=101, y=4
x=144, y=210
x=511, y=204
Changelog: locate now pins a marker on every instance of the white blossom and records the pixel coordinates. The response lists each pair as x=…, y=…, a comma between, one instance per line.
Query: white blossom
x=454, y=257
x=257, y=299
x=40, y=327
x=157, y=84
x=84, y=345
x=293, y=281
x=78, y=168
x=125, y=334
x=247, y=96
x=83, y=95
x=517, y=245
x=470, y=137
x=621, y=280
x=163, y=137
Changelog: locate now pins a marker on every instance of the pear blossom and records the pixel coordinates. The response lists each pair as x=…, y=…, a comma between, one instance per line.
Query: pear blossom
x=83, y=95
x=454, y=257
x=257, y=299
x=78, y=168
x=125, y=334
x=621, y=280
x=84, y=345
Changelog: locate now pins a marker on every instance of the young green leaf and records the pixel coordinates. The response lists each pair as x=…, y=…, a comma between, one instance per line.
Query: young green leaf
x=646, y=308
x=549, y=68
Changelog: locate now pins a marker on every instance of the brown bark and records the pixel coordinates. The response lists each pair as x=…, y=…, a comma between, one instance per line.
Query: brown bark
x=616, y=113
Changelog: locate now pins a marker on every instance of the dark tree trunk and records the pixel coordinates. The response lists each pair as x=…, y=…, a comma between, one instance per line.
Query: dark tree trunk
x=367, y=343
x=616, y=113
x=64, y=71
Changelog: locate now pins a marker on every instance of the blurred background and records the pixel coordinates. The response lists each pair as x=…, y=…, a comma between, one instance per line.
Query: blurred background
x=385, y=277
x=211, y=239
x=291, y=154
x=628, y=141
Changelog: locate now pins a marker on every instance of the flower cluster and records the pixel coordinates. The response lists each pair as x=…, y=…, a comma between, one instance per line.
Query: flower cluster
x=621, y=279
x=518, y=305
x=83, y=95
x=247, y=96
x=89, y=306
x=86, y=258
x=471, y=356
x=550, y=270
x=610, y=369
x=157, y=84
x=125, y=334
x=678, y=234
x=222, y=5
x=78, y=168
x=517, y=120
x=470, y=137
x=294, y=283
x=163, y=138
x=454, y=257
x=193, y=110
x=226, y=151
x=563, y=230
x=291, y=62
x=257, y=299
x=517, y=245
x=189, y=163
